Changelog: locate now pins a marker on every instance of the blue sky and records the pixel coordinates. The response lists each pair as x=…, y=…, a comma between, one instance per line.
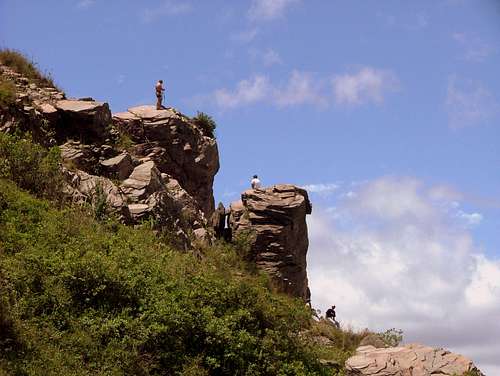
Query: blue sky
x=387, y=111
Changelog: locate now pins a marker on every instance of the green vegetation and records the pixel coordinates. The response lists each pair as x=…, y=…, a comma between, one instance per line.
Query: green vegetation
x=84, y=297
x=31, y=166
x=392, y=337
x=206, y=123
x=7, y=93
x=23, y=65
x=344, y=342
x=82, y=294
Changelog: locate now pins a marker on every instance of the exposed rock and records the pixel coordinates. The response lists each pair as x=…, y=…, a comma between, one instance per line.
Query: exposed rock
x=85, y=188
x=178, y=147
x=409, y=360
x=218, y=220
x=79, y=156
x=84, y=119
x=119, y=167
x=276, y=218
x=144, y=180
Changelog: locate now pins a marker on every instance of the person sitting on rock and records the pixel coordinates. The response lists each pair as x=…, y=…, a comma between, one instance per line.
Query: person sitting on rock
x=330, y=315
x=159, y=94
x=255, y=183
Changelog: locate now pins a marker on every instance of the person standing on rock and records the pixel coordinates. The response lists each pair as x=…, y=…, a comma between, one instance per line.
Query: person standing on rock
x=159, y=94
x=255, y=183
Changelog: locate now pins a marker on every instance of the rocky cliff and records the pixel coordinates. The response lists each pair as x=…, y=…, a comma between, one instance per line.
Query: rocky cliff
x=142, y=164
x=275, y=217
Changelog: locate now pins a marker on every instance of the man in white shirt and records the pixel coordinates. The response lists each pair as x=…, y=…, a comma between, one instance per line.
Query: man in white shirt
x=255, y=182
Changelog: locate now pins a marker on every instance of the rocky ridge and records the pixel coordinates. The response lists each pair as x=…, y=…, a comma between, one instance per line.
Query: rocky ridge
x=409, y=360
x=164, y=173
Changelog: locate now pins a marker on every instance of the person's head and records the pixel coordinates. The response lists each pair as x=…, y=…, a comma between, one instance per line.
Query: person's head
x=255, y=177
x=333, y=307
x=160, y=81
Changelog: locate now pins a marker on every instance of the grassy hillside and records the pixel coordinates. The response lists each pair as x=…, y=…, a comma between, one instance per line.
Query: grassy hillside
x=83, y=297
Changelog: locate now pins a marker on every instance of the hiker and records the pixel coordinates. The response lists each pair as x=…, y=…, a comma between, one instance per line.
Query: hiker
x=159, y=94
x=255, y=182
x=330, y=315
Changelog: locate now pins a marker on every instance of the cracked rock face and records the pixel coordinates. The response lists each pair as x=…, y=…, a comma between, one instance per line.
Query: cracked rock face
x=276, y=218
x=178, y=147
x=409, y=360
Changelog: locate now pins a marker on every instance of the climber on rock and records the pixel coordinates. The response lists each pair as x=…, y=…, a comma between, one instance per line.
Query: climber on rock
x=255, y=183
x=159, y=95
x=330, y=316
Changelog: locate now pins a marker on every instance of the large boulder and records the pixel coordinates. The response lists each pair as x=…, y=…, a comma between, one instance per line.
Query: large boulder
x=119, y=167
x=409, y=360
x=177, y=145
x=83, y=119
x=274, y=219
x=144, y=180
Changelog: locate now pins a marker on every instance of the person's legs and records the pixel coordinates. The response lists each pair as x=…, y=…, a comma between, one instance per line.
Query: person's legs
x=158, y=102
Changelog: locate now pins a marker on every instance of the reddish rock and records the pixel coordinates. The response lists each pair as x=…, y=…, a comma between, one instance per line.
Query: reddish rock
x=178, y=147
x=276, y=219
x=409, y=360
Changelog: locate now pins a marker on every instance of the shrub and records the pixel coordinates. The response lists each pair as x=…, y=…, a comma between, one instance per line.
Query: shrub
x=23, y=65
x=100, y=298
x=345, y=341
x=206, y=123
x=7, y=93
x=31, y=166
x=392, y=337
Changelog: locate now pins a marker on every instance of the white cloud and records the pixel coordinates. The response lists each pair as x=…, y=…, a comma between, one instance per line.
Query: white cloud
x=470, y=219
x=300, y=88
x=247, y=92
x=267, y=57
x=166, y=8
x=469, y=103
x=475, y=49
x=269, y=9
x=367, y=85
x=402, y=261
x=271, y=57
x=245, y=36
x=321, y=188
x=84, y=4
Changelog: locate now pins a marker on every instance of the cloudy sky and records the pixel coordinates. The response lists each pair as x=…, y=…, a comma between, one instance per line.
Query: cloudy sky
x=387, y=111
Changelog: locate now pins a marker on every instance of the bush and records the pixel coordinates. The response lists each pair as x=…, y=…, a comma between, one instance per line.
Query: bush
x=7, y=93
x=31, y=166
x=23, y=65
x=206, y=123
x=345, y=341
x=392, y=337
x=100, y=298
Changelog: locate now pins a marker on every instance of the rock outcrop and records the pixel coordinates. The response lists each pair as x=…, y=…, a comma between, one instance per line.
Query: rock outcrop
x=275, y=218
x=178, y=146
x=409, y=360
x=163, y=174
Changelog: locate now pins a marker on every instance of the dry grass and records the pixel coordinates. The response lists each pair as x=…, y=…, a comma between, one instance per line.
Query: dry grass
x=25, y=66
